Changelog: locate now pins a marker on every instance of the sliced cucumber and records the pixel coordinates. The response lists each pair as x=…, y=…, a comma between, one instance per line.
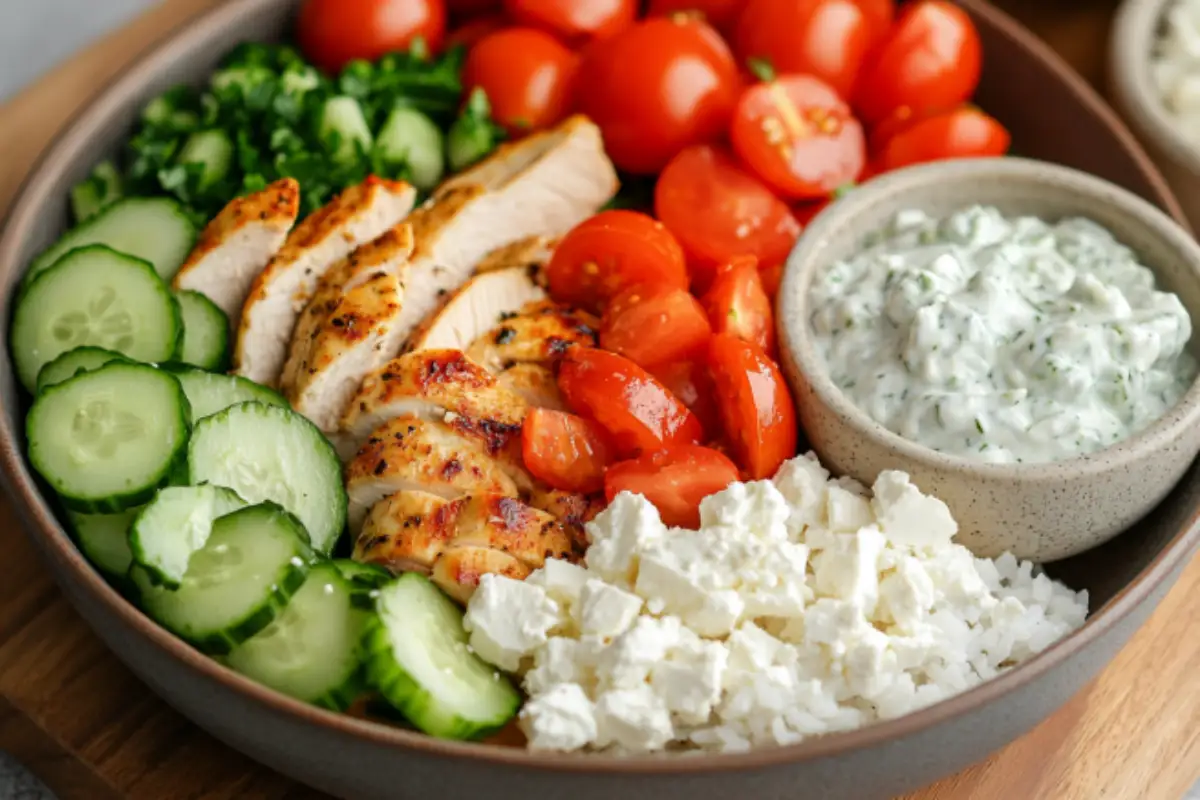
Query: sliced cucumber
x=417, y=657
x=213, y=151
x=209, y=392
x=412, y=139
x=205, y=332
x=236, y=585
x=96, y=192
x=155, y=229
x=104, y=540
x=108, y=439
x=175, y=524
x=366, y=579
x=99, y=297
x=344, y=129
x=270, y=453
x=75, y=362
x=312, y=651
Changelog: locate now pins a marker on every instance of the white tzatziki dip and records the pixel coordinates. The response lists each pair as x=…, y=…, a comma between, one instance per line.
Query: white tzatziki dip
x=1002, y=339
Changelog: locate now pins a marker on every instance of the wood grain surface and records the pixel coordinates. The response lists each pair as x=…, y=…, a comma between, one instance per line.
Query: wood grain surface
x=80, y=720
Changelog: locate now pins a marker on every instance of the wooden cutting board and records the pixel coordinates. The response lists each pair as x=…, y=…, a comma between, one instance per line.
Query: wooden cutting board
x=81, y=721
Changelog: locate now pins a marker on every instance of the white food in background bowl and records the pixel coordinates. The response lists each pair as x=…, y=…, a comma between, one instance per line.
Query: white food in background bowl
x=1176, y=65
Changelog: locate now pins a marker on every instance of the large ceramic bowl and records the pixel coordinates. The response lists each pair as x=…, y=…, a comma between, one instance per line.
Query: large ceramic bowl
x=1041, y=512
x=1052, y=115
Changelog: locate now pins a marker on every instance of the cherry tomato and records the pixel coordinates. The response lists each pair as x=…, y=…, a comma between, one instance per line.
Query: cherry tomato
x=565, y=451
x=738, y=305
x=527, y=75
x=806, y=211
x=637, y=411
x=575, y=20
x=657, y=87
x=334, y=32
x=755, y=405
x=675, y=480
x=719, y=211
x=688, y=379
x=930, y=60
x=721, y=14
x=879, y=14
x=798, y=136
x=962, y=133
x=462, y=9
x=469, y=34
x=651, y=324
x=827, y=39
x=610, y=252
x=771, y=278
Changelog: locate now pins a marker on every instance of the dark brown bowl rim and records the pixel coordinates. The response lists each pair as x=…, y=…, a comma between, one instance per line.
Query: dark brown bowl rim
x=34, y=509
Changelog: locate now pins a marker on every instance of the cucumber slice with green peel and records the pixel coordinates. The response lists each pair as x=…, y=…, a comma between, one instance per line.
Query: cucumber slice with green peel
x=104, y=540
x=237, y=584
x=344, y=130
x=155, y=229
x=175, y=524
x=312, y=651
x=107, y=440
x=205, y=332
x=209, y=392
x=96, y=192
x=412, y=139
x=270, y=453
x=213, y=151
x=418, y=659
x=366, y=579
x=96, y=297
x=75, y=362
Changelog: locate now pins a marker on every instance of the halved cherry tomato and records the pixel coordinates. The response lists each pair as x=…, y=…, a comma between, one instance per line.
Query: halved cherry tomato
x=611, y=251
x=719, y=211
x=931, y=59
x=575, y=20
x=651, y=324
x=637, y=411
x=798, y=135
x=527, y=74
x=721, y=14
x=771, y=278
x=738, y=305
x=688, y=379
x=657, y=87
x=962, y=133
x=334, y=32
x=565, y=451
x=755, y=404
x=675, y=480
x=470, y=33
x=827, y=39
x=879, y=14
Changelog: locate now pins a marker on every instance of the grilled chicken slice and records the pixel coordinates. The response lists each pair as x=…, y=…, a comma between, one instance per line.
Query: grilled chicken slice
x=534, y=384
x=237, y=244
x=573, y=510
x=458, y=571
x=410, y=454
x=483, y=302
x=346, y=328
x=282, y=290
x=531, y=254
x=540, y=334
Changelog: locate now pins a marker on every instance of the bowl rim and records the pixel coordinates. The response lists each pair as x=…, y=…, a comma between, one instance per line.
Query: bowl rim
x=805, y=263
x=56, y=544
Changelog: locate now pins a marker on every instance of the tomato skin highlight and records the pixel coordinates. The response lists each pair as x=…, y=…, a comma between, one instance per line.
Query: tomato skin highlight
x=636, y=410
x=610, y=252
x=721, y=14
x=771, y=278
x=880, y=14
x=675, y=480
x=718, y=210
x=653, y=324
x=528, y=76
x=565, y=451
x=688, y=379
x=962, y=133
x=756, y=406
x=574, y=21
x=332, y=33
x=657, y=87
x=738, y=305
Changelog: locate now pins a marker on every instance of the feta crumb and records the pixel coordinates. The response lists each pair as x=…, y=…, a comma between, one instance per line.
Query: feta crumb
x=604, y=610
x=561, y=718
x=507, y=620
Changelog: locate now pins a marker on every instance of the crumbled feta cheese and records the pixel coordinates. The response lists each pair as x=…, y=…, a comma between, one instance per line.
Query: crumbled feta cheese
x=508, y=620
x=910, y=518
x=618, y=533
x=561, y=718
x=604, y=610
x=562, y=580
x=634, y=719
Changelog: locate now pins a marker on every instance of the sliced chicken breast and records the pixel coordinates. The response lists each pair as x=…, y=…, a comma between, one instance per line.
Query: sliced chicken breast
x=539, y=334
x=483, y=302
x=535, y=384
x=573, y=510
x=459, y=570
x=531, y=254
x=346, y=328
x=282, y=290
x=238, y=243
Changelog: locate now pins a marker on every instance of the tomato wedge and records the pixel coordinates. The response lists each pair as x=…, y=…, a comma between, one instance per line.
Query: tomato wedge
x=565, y=451
x=738, y=305
x=675, y=480
x=610, y=252
x=688, y=379
x=636, y=410
x=650, y=324
x=755, y=405
x=963, y=133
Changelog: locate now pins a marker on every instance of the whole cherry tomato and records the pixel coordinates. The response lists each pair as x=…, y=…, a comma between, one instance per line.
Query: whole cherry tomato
x=755, y=405
x=527, y=75
x=806, y=211
x=651, y=324
x=738, y=305
x=657, y=87
x=798, y=135
x=688, y=379
x=675, y=480
x=719, y=211
x=962, y=133
x=931, y=59
x=771, y=278
x=827, y=39
x=470, y=33
x=575, y=20
x=721, y=14
x=565, y=451
x=334, y=32
x=879, y=14
x=463, y=9
x=608, y=253
x=636, y=410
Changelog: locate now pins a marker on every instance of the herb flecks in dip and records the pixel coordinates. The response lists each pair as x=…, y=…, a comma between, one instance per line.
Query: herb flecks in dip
x=1002, y=339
